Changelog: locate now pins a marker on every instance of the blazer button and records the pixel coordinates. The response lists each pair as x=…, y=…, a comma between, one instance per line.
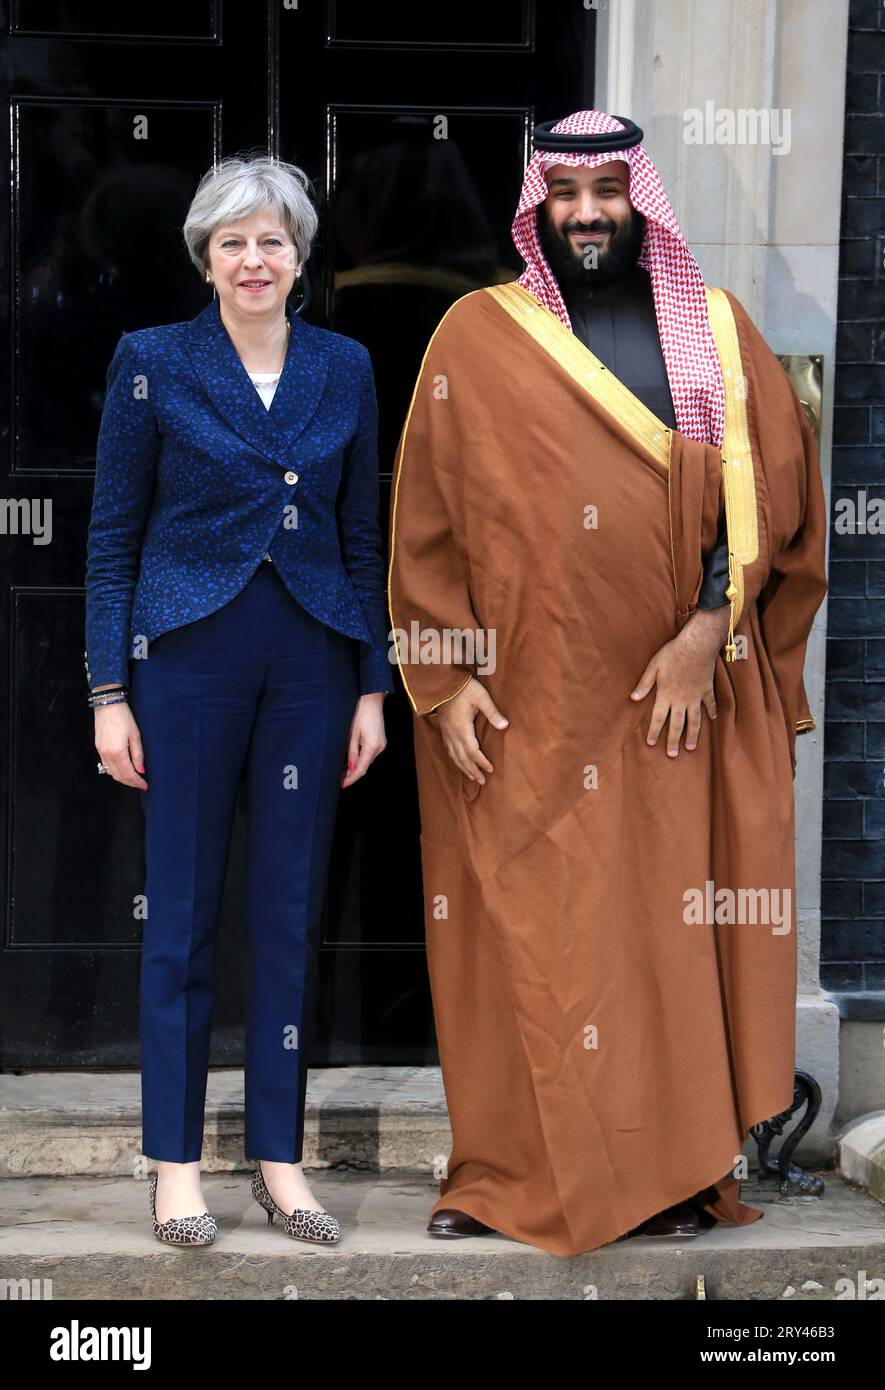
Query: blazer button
x=291, y=477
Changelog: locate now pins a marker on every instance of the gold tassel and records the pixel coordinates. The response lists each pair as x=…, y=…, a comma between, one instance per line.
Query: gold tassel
x=731, y=594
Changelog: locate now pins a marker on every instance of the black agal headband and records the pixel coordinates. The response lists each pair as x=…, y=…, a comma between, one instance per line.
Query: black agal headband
x=561, y=142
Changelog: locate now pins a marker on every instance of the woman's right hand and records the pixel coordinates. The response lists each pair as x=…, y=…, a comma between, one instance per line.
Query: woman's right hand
x=118, y=744
x=456, y=723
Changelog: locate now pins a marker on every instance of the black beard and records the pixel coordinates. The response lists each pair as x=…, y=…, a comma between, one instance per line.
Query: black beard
x=620, y=257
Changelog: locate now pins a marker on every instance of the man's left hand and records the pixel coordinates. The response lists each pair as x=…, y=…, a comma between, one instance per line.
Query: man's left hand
x=683, y=671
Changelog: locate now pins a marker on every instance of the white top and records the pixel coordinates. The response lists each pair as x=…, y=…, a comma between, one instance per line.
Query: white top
x=265, y=384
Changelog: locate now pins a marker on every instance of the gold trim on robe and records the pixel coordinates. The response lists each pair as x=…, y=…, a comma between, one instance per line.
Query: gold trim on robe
x=738, y=478
x=393, y=518
x=586, y=369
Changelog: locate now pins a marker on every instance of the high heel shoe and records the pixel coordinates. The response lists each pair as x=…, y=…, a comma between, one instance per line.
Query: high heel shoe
x=302, y=1223
x=182, y=1230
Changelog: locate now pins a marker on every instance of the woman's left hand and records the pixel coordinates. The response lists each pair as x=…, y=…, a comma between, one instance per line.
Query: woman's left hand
x=367, y=738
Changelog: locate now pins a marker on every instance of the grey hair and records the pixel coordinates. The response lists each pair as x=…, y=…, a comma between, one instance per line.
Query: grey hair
x=242, y=185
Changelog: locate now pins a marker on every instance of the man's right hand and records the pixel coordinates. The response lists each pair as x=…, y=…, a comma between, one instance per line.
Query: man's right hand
x=118, y=743
x=456, y=724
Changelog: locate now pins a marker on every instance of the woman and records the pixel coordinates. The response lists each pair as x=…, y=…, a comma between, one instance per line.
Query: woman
x=236, y=624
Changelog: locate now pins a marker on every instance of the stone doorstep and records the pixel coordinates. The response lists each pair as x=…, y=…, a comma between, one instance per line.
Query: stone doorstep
x=62, y=1124
x=376, y=1119
x=92, y=1238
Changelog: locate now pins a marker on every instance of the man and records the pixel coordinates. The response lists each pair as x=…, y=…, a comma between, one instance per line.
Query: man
x=610, y=911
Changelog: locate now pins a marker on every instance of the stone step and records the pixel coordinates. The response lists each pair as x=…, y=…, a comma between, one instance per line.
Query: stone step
x=862, y=1153
x=62, y=1124
x=92, y=1238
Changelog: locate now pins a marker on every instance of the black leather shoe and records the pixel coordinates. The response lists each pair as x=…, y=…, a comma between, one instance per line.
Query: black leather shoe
x=681, y=1220
x=449, y=1222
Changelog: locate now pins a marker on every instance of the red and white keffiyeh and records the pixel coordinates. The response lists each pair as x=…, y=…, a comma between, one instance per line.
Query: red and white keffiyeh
x=677, y=284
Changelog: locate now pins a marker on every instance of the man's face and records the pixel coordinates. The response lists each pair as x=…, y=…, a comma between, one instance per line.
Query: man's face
x=589, y=231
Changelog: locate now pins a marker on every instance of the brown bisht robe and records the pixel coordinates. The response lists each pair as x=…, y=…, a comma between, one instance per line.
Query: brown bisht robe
x=603, y=1057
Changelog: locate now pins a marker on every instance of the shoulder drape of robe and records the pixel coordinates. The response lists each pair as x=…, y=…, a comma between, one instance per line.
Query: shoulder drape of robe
x=609, y=1030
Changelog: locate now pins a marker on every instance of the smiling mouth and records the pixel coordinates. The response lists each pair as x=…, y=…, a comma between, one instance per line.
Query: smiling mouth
x=254, y=284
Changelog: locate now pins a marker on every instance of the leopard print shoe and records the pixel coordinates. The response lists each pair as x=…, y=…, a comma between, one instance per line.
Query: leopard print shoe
x=182, y=1230
x=302, y=1224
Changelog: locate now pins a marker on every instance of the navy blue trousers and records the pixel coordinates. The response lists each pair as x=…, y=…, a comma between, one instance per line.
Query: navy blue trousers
x=259, y=686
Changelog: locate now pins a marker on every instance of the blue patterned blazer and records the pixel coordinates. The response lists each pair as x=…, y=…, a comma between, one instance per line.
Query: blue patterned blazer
x=196, y=479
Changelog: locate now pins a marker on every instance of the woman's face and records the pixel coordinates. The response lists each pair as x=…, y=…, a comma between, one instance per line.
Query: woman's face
x=252, y=263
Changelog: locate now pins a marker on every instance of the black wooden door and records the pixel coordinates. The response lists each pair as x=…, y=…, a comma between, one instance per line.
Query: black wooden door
x=413, y=122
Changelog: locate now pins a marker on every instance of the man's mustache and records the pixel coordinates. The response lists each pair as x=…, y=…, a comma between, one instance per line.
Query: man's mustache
x=594, y=227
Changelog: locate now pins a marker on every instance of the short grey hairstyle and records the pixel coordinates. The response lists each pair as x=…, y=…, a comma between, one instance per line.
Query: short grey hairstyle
x=242, y=185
